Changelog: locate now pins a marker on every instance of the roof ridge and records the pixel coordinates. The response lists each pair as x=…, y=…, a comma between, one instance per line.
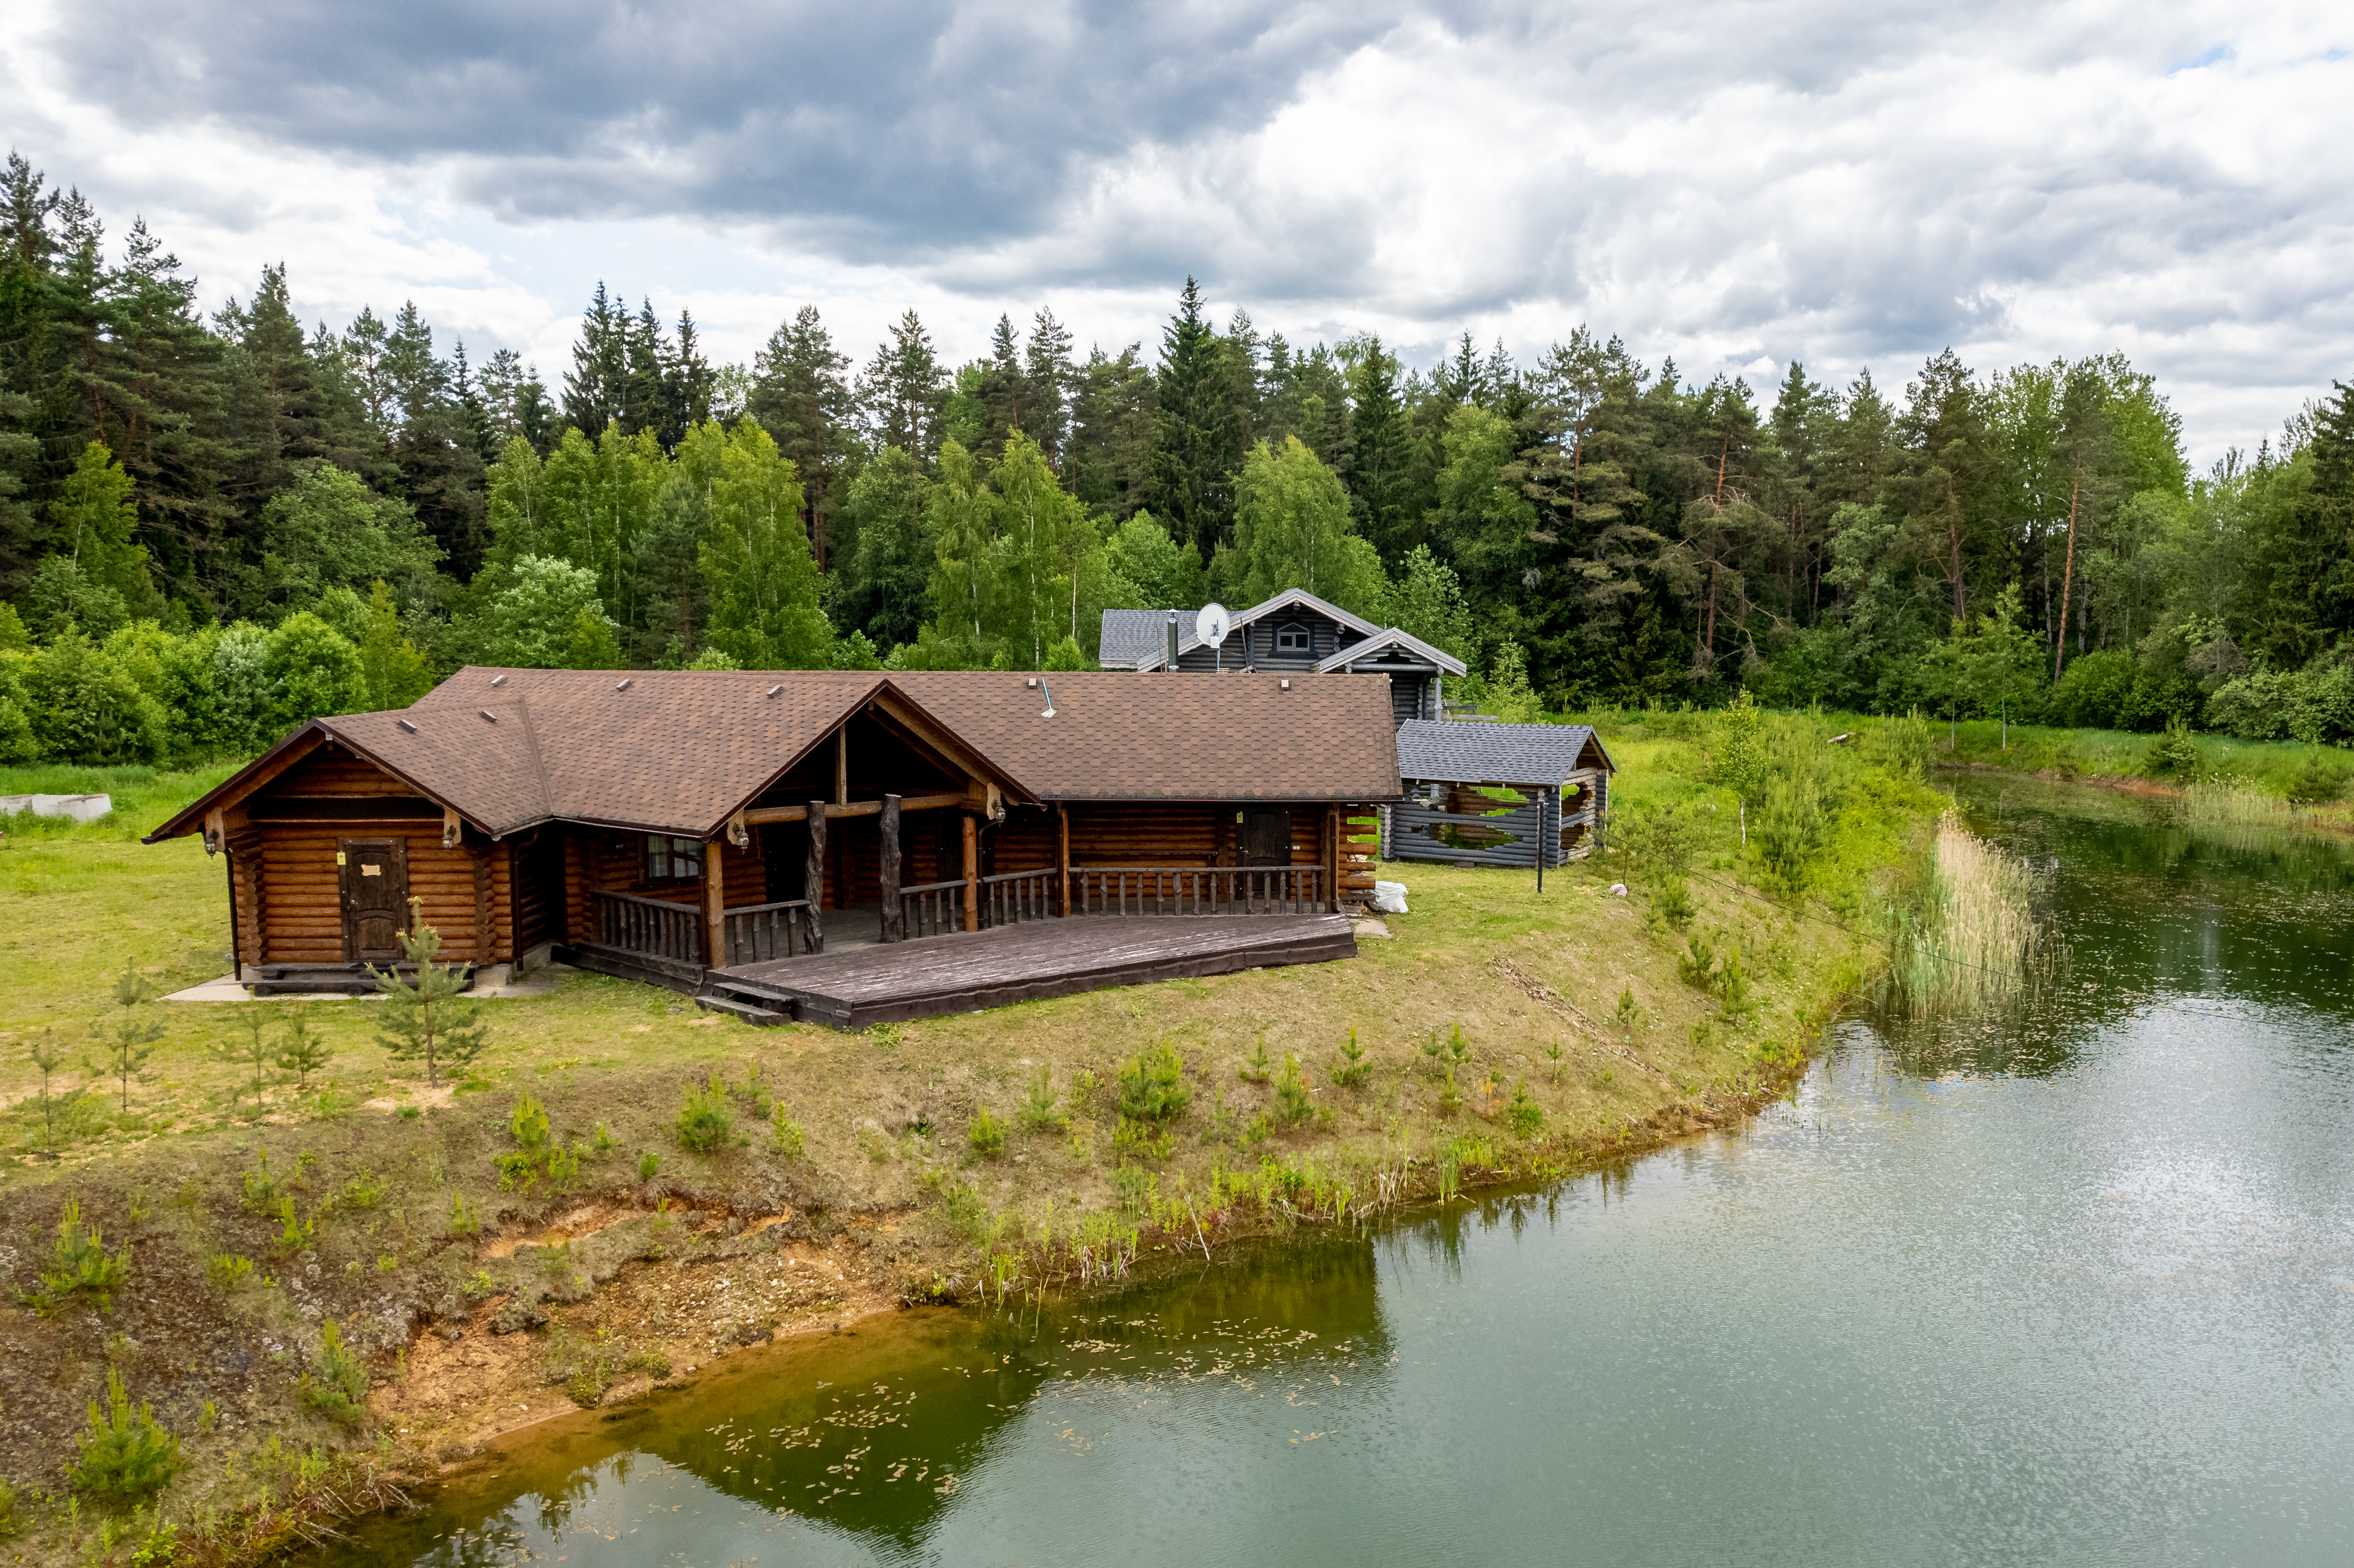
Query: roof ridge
x=538, y=766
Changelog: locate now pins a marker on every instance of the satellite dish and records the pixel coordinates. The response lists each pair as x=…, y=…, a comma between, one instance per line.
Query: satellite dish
x=1213, y=624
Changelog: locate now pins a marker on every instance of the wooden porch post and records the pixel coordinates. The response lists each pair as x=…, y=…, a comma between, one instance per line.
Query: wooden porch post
x=813, y=877
x=972, y=874
x=1063, y=856
x=841, y=764
x=484, y=926
x=1332, y=855
x=715, y=905
x=894, y=924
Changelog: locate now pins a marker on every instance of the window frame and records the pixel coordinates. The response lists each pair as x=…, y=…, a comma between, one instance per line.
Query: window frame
x=1291, y=628
x=665, y=854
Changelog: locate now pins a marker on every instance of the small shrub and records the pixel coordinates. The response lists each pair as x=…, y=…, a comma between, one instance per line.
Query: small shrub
x=1451, y=1098
x=226, y=1270
x=784, y=1133
x=527, y=1125
x=1134, y=1187
x=1041, y=1112
x=1292, y=1104
x=408, y=1113
x=2173, y=753
x=463, y=1220
x=78, y=1264
x=1450, y=1053
x=604, y=1138
x=366, y=1190
x=1694, y=965
x=336, y=1386
x=1673, y=902
x=1134, y=1138
x=986, y=1135
x=293, y=1234
x=649, y=1165
x=1152, y=1085
x=125, y=1455
x=1523, y=1114
x=2321, y=780
x=1352, y=1069
x=1628, y=1015
x=705, y=1121
x=1255, y=1068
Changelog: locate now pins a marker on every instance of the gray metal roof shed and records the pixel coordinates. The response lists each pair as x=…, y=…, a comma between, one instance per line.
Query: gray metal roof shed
x=1456, y=751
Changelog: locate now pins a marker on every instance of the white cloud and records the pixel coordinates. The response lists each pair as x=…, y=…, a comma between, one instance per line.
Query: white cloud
x=1735, y=184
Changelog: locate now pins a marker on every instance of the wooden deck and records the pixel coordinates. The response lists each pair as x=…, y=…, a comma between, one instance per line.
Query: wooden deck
x=965, y=971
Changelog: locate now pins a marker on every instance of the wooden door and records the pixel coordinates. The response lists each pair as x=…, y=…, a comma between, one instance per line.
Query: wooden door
x=375, y=877
x=1266, y=836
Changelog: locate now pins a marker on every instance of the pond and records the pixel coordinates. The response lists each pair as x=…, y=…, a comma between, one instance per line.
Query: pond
x=2073, y=1287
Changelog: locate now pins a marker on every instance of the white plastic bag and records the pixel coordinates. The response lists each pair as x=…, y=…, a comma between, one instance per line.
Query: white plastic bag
x=1389, y=897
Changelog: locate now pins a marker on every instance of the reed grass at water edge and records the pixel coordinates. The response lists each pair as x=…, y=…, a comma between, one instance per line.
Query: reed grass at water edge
x=1979, y=945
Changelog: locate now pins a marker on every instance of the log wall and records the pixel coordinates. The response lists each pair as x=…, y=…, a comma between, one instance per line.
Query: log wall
x=300, y=916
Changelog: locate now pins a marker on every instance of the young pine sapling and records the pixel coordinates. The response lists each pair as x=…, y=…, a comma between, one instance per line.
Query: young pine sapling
x=427, y=1020
x=246, y=1050
x=125, y=1044
x=301, y=1052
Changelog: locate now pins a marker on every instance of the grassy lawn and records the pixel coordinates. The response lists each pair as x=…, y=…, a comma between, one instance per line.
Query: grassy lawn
x=1503, y=1035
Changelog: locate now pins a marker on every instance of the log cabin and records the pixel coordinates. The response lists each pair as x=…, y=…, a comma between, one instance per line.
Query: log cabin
x=665, y=825
x=1294, y=631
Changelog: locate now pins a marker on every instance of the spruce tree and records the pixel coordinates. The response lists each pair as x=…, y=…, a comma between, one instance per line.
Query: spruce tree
x=1196, y=451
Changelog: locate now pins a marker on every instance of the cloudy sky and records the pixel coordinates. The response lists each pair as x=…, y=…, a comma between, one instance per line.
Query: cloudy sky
x=1852, y=182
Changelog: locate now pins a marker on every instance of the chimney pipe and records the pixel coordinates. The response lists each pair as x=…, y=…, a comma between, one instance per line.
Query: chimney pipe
x=1172, y=641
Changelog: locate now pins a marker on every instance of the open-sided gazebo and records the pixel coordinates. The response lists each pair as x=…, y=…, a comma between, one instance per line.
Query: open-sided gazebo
x=1497, y=794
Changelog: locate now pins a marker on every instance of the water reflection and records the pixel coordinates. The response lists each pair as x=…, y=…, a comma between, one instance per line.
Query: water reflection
x=2150, y=910
x=2071, y=1286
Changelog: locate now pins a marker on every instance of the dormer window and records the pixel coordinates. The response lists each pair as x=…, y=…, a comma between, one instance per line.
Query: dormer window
x=1292, y=638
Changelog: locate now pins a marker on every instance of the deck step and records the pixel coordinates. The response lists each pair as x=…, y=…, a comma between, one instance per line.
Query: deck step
x=735, y=1006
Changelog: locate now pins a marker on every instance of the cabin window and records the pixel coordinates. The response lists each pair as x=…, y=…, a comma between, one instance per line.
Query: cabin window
x=672, y=859
x=1291, y=639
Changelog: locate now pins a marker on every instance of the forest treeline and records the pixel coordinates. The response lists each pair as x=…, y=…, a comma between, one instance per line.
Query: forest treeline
x=212, y=527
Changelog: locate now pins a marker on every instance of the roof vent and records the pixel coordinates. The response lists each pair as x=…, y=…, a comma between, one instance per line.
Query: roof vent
x=775, y=689
x=1032, y=682
x=488, y=716
x=498, y=680
x=623, y=685
x=406, y=728
x=1285, y=685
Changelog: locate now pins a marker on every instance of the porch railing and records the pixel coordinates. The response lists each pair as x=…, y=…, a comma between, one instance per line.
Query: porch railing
x=760, y=932
x=654, y=926
x=1198, y=889
x=1014, y=896
x=930, y=908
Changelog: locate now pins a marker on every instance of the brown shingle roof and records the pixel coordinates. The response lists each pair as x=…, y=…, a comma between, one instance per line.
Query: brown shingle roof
x=679, y=750
x=1121, y=737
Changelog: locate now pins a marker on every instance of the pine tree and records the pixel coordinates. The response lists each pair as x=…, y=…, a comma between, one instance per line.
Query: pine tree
x=126, y=1044
x=427, y=1019
x=299, y=1051
x=248, y=1050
